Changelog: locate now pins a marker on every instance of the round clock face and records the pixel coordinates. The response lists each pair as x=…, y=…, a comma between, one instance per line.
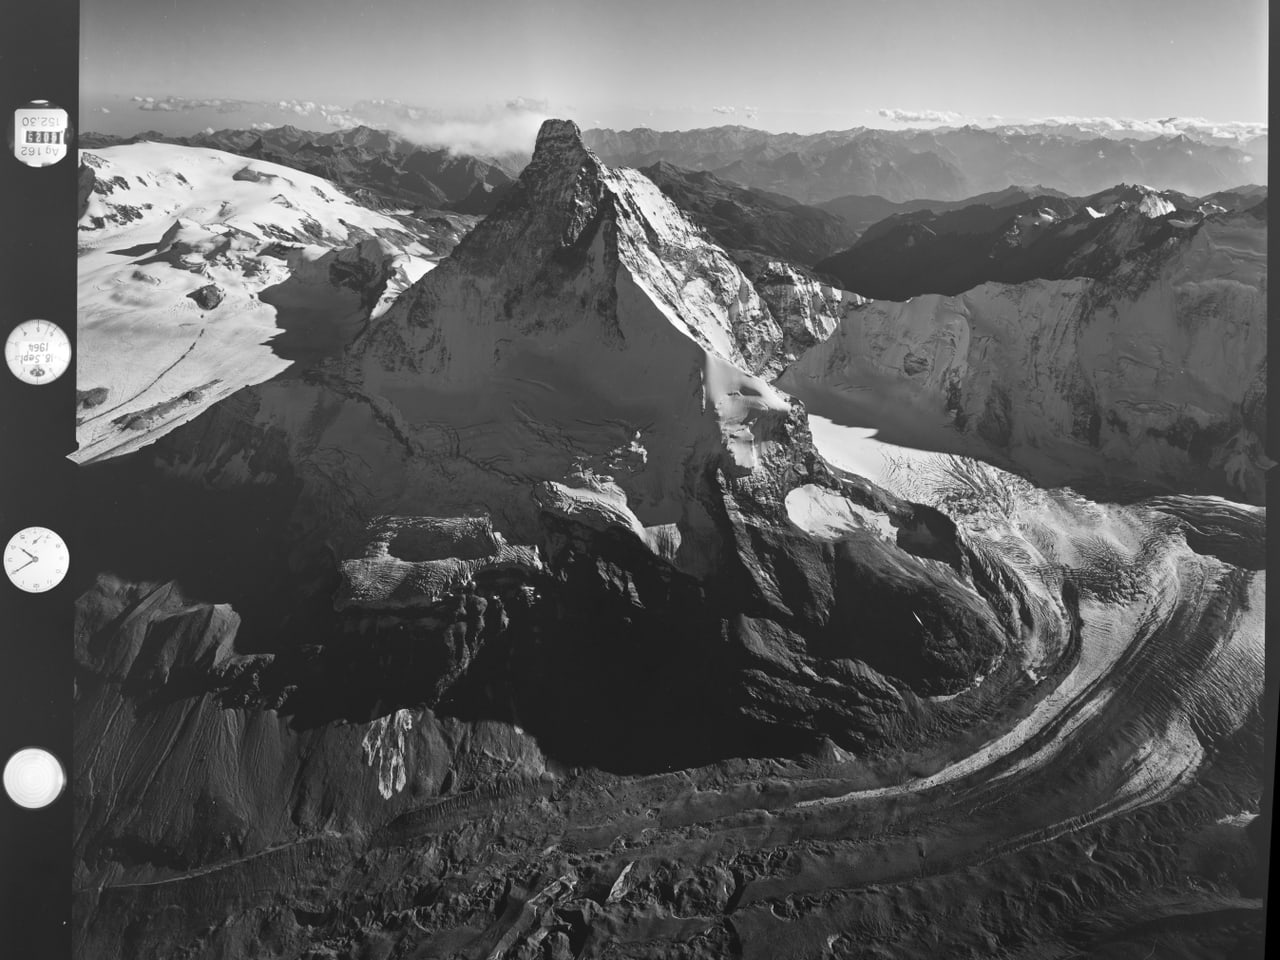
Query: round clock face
x=38, y=351
x=36, y=559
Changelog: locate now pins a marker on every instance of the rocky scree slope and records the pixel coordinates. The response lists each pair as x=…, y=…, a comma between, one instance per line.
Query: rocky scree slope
x=544, y=533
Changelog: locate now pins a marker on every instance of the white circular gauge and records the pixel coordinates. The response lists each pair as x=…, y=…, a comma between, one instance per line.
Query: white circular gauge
x=40, y=133
x=38, y=351
x=34, y=778
x=36, y=559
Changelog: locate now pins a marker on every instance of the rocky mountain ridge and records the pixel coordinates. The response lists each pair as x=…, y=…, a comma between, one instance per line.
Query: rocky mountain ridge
x=747, y=221
x=1049, y=237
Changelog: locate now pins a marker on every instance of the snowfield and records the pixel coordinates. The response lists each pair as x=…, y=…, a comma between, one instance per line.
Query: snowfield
x=163, y=222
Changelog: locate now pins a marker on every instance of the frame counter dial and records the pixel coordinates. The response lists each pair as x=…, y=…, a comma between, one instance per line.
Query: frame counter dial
x=41, y=132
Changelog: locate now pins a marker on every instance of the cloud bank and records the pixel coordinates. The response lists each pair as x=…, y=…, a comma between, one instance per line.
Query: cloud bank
x=1198, y=128
x=511, y=127
x=748, y=113
x=919, y=116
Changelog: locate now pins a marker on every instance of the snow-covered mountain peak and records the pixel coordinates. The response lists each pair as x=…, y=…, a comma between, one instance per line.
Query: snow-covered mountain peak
x=571, y=221
x=584, y=311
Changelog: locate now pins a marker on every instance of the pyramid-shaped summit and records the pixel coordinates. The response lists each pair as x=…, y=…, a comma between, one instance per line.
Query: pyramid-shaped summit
x=585, y=312
x=556, y=135
x=577, y=250
x=551, y=203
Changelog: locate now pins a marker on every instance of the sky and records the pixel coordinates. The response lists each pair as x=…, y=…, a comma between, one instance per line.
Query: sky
x=495, y=68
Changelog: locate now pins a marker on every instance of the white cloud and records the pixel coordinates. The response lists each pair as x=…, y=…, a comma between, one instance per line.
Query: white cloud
x=171, y=104
x=510, y=127
x=1198, y=128
x=528, y=104
x=919, y=116
x=725, y=111
x=104, y=110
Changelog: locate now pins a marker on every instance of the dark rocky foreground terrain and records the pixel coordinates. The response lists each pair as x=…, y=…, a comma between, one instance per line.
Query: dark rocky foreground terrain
x=534, y=624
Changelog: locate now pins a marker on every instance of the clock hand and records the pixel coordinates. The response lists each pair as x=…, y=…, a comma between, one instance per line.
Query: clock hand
x=24, y=566
x=29, y=553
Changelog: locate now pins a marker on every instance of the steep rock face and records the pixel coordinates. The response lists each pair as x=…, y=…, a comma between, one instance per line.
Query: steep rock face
x=586, y=283
x=608, y=222
x=751, y=220
x=807, y=309
x=1148, y=375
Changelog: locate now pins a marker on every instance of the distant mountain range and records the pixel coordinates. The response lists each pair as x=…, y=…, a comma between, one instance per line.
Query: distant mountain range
x=878, y=169
x=954, y=247
x=860, y=212
x=944, y=164
x=374, y=166
x=746, y=221
x=922, y=227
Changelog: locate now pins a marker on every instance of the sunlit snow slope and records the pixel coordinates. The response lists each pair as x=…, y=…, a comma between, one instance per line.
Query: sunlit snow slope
x=189, y=261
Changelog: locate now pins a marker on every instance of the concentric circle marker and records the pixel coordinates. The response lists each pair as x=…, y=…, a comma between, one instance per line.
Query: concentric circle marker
x=33, y=778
